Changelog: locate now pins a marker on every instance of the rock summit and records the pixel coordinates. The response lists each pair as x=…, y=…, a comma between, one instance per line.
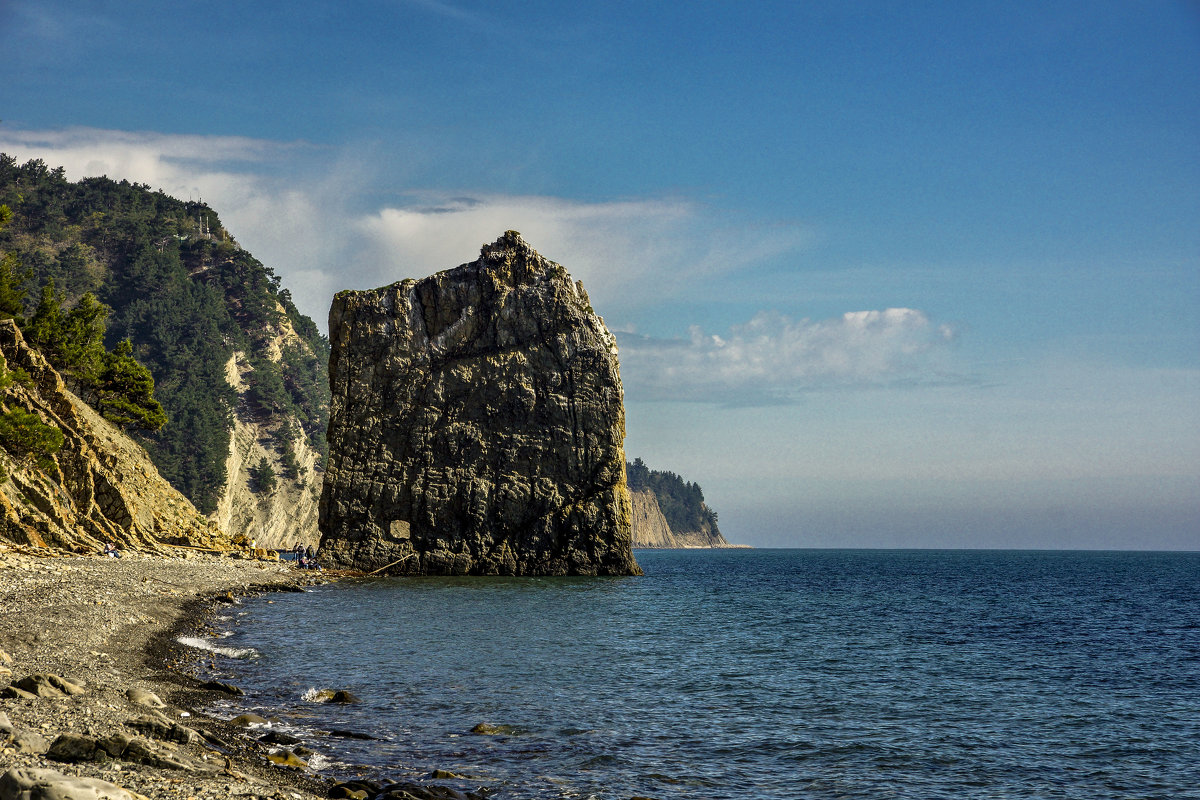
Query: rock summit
x=477, y=425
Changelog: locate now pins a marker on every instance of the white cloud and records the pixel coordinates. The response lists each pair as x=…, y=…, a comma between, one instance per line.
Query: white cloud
x=284, y=202
x=304, y=211
x=773, y=358
x=623, y=251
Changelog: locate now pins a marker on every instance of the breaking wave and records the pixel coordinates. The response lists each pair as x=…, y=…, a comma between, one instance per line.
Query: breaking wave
x=228, y=652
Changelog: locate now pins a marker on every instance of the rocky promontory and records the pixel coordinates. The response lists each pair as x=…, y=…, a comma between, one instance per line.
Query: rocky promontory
x=477, y=425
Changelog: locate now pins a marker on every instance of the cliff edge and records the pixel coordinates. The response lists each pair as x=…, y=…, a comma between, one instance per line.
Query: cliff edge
x=477, y=425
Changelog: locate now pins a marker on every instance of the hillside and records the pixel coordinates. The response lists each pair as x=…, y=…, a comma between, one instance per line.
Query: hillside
x=95, y=486
x=669, y=512
x=239, y=371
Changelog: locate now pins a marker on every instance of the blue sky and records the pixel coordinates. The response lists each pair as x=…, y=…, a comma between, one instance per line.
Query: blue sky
x=884, y=274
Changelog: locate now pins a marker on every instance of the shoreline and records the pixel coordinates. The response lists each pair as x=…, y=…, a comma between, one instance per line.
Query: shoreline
x=103, y=633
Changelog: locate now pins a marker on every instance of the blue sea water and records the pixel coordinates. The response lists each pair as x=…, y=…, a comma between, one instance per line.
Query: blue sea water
x=744, y=674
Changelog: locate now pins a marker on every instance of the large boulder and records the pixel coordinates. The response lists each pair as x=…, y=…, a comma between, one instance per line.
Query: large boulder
x=477, y=425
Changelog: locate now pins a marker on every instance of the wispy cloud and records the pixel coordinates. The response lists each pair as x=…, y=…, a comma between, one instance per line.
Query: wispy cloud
x=306, y=212
x=776, y=359
x=628, y=253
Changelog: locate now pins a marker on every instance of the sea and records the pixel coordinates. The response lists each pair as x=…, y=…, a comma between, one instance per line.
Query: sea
x=747, y=674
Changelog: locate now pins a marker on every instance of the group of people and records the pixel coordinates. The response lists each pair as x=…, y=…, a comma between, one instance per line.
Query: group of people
x=306, y=558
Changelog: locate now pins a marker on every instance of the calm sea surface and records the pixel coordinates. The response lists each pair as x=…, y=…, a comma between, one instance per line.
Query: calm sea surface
x=754, y=674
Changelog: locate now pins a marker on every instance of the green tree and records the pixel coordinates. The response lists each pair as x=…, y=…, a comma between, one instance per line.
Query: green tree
x=262, y=477
x=73, y=341
x=125, y=391
x=45, y=326
x=12, y=292
x=82, y=341
x=27, y=438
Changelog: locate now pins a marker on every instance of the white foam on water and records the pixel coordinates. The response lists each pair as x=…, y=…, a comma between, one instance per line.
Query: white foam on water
x=228, y=652
x=315, y=695
x=318, y=762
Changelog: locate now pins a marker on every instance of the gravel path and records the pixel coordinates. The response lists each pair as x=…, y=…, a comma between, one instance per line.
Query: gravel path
x=101, y=630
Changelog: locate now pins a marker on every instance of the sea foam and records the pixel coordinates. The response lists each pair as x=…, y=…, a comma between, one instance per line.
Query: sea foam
x=228, y=652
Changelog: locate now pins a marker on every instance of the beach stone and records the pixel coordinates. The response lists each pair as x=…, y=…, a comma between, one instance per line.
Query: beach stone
x=48, y=686
x=343, y=697
x=16, y=692
x=141, y=697
x=217, y=686
x=72, y=748
x=370, y=788
x=415, y=791
x=286, y=758
x=161, y=728
x=25, y=741
x=279, y=737
x=249, y=720
x=5, y=658
x=476, y=425
x=340, y=791
x=343, y=734
x=21, y=740
x=143, y=751
x=47, y=784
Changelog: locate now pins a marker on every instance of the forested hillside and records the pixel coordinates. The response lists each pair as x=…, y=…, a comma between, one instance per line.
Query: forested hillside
x=193, y=304
x=681, y=502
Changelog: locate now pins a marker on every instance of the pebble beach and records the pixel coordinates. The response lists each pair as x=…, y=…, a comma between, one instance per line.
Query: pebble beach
x=97, y=700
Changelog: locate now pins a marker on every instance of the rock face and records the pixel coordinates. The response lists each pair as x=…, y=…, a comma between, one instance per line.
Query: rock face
x=100, y=486
x=651, y=529
x=477, y=426
x=287, y=513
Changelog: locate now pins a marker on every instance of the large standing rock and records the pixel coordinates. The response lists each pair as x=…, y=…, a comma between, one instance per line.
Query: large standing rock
x=477, y=425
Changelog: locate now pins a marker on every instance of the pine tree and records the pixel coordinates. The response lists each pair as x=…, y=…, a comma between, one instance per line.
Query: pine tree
x=44, y=328
x=27, y=438
x=262, y=477
x=82, y=342
x=12, y=293
x=125, y=391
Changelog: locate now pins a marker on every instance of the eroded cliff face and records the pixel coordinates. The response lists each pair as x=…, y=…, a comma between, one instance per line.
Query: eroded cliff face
x=99, y=486
x=287, y=513
x=477, y=425
x=651, y=529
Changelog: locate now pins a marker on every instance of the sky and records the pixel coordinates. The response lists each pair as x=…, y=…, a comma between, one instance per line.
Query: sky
x=883, y=274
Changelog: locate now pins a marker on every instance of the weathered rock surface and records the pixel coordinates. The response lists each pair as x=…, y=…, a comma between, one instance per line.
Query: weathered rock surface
x=477, y=425
x=47, y=784
x=100, y=486
x=286, y=514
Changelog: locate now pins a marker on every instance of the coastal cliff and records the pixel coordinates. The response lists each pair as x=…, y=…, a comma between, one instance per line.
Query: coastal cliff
x=651, y=529
x=98, y=486
x=284, y=513
x=240, y=373
x=476, y=425
x=669, y=512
